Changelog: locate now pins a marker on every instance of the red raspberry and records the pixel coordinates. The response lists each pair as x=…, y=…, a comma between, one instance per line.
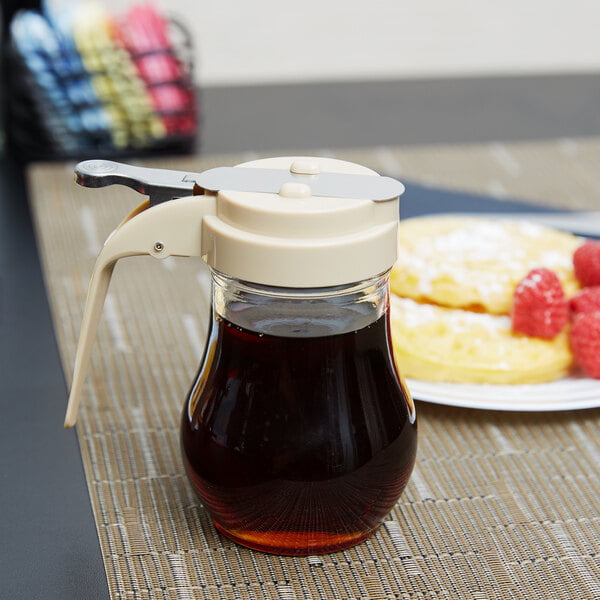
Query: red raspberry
x=587, y=300
x=540, y=308
x=585, y=342
x=586, y=262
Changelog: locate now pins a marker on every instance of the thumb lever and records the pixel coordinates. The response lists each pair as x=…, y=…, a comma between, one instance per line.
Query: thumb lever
x=159, y=184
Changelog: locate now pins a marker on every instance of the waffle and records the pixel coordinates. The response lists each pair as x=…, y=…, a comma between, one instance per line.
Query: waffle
x=475, y=263
x=434, y=343
x=452, y=289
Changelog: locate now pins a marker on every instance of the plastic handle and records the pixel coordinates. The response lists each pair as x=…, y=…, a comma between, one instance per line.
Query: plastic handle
x=170, y=229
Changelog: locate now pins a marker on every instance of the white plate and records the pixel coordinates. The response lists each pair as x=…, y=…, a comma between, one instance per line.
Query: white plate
x=569, y=393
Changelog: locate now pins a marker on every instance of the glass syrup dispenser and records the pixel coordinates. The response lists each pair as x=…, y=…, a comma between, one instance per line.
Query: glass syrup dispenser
x=297, y=434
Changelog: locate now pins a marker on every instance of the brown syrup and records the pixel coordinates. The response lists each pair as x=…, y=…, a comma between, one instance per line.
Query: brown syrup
x=298, y=445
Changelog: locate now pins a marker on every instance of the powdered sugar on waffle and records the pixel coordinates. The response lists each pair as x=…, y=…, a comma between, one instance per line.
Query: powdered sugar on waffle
x=481, y=255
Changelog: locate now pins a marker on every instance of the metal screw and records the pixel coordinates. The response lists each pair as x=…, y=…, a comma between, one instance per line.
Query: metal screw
x=159, y=247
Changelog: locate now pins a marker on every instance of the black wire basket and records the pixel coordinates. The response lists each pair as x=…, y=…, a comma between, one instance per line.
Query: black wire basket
x=47, y=117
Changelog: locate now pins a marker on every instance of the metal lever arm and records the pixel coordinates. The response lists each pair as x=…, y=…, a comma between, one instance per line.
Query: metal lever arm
x=159, y=184
x=163, y=184
x=169, y=229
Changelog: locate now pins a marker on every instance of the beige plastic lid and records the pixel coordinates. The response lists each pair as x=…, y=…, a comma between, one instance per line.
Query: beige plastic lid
x=296, y=239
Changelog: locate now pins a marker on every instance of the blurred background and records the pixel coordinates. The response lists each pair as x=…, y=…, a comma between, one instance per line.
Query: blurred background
x=180, y=49
x=266, y=41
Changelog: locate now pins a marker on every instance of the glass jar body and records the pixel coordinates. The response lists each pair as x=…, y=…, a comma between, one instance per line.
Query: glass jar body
x=297, y=434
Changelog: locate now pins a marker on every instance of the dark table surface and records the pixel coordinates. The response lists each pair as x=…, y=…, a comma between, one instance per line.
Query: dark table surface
x=49, y=548
x=49, y=545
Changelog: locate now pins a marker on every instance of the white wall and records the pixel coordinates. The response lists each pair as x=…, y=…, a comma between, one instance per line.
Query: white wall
x=264, y=41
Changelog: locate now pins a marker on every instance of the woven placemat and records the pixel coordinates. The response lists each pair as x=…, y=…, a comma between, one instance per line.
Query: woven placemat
x=500, y=505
